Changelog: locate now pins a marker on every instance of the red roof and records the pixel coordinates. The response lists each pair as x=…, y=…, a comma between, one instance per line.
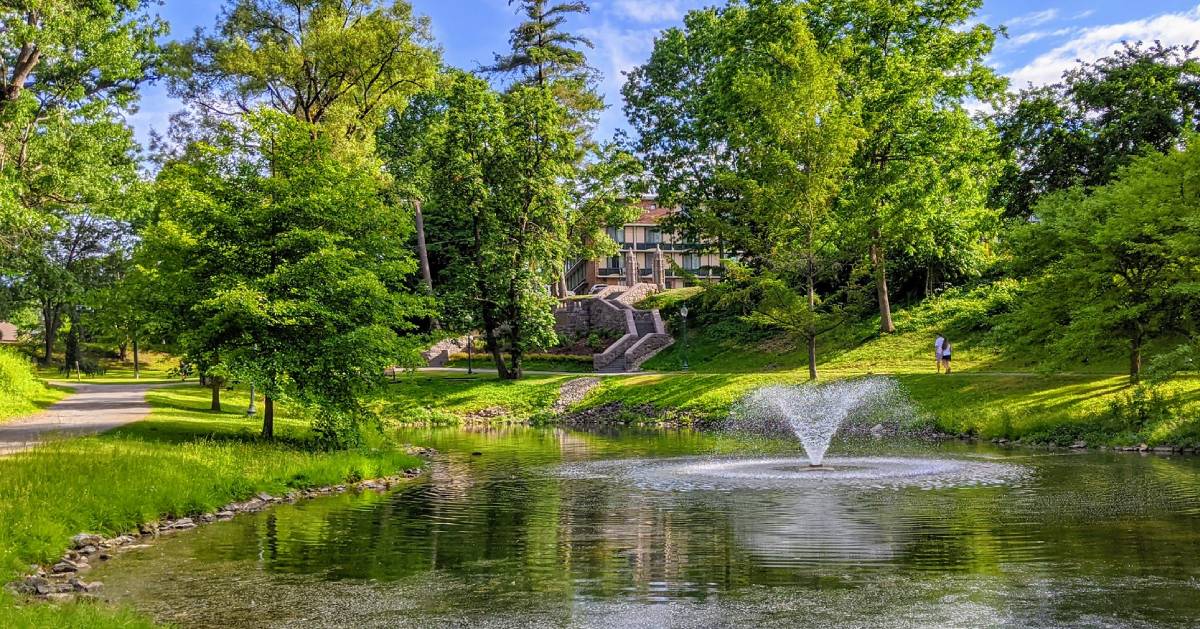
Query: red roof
x=652, y=213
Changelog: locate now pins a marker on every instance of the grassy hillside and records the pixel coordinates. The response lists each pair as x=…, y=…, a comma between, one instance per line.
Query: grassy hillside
x=722, y=343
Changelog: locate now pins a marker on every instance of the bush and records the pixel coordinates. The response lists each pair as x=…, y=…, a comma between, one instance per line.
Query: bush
x=16, y=377
x=1139, y=409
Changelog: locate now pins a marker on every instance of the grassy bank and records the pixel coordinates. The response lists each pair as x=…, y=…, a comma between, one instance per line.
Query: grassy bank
x=1098, y=409
x=21, y=393
x=450, y=398
x=183, y=460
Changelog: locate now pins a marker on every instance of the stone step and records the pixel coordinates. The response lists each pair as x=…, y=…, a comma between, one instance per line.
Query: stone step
x=616, y=366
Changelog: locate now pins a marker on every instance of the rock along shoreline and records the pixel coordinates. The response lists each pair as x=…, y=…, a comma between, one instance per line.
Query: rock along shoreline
x=63, y=581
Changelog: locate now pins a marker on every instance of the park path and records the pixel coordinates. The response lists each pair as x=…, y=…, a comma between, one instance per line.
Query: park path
x=91, y=409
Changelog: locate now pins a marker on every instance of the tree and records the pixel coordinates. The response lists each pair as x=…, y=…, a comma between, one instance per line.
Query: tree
x=498, y=175
x=290, y=268
x=59, y=272
x=545, y=56
x=768, y=98
x=341, y=64
x=1118, y=263
x=68, y=70
x=910, y=65
x=1098, y=119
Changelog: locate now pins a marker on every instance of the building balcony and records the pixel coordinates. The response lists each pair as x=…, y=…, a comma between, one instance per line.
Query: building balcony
x=666, y=246
x=610, y=272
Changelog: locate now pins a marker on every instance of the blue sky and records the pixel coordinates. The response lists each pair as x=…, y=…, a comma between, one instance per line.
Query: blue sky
x=1044, y=37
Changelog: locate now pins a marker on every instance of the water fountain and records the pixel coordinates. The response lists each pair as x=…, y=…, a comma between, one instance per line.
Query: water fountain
x=813, y=413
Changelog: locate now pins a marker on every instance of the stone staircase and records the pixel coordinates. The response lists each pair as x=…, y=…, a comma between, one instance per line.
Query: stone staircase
x=645, y=334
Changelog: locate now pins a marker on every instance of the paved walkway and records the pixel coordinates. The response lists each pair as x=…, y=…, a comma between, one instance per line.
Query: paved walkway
x=91, y=409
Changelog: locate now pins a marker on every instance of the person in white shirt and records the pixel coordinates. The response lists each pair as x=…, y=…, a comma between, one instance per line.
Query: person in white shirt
x=937, y=351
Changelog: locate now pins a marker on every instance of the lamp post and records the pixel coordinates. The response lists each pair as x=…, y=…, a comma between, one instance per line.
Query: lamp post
x=683, y=312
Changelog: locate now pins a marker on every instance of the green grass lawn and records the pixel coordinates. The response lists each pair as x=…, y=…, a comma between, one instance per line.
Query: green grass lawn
x=729, y=345
x=446, y=398
x=154, y=369
x=183, y=460
x=13, y=406
x=1061, y=408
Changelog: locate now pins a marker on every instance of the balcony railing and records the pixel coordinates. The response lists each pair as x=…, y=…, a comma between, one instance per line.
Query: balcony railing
x=666, y=246
x=610, y=271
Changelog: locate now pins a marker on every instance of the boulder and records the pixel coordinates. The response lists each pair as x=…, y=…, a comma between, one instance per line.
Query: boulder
x=183, y=523
x=83, y=540
x=1079, y=445
x=65, y=567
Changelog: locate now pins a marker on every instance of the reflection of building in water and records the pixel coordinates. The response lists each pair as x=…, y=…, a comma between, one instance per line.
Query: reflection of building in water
x=806, y=527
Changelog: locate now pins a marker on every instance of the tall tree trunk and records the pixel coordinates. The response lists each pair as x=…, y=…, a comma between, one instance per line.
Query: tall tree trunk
x=214, y=384
x=122, y=351
x=514, y=332
x=493, y=344
x=268, y=429
x=880, y=263
x=137, y=364
x=423, y=255
x=1135, y=358
x=812, y=313
x=563, y=289
x=51, y=322
x=487, y=310
x=928, y=280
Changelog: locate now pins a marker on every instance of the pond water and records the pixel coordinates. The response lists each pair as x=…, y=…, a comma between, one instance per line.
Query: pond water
x=554, y=528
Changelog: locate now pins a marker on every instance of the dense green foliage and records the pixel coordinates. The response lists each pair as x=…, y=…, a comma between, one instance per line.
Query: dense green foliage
x=1116, y=264
x=1102, y=115
x=285, y=266
x=21, y=392
x=342, y=65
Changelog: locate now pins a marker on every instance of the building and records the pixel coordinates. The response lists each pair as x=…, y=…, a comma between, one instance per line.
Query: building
x=8, y=332
x=655, y=256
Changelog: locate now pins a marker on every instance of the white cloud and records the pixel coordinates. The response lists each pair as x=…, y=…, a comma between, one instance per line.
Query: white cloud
x=1032, y=36
x=1094, y=42
x=648, y=11
x=1083, y=14
x=1034, y=19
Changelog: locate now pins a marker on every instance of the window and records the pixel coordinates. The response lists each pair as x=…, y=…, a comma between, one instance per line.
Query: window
x=653, y=235
x=614, y=262
x=617, y=234
x=691, y=261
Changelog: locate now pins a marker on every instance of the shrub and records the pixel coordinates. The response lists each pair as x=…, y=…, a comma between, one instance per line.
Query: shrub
x=16, y=377
x=1141, y=408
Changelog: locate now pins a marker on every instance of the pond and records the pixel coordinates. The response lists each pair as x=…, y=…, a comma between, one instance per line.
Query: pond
x=553, y=527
